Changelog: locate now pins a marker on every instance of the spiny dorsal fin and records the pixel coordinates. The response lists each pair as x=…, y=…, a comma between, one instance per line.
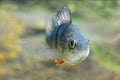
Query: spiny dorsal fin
x=63, y=16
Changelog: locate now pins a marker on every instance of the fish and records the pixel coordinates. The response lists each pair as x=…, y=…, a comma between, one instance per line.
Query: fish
x=66, y=39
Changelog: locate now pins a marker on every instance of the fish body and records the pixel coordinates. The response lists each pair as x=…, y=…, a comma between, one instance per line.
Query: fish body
x=65, y=37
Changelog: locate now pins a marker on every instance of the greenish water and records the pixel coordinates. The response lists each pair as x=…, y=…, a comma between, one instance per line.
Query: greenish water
x=98, y=21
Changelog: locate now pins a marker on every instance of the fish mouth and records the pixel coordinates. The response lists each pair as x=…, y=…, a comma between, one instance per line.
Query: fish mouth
x=76, y=57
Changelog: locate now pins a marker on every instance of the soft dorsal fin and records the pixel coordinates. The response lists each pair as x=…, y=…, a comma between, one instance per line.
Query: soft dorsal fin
x=63, y=16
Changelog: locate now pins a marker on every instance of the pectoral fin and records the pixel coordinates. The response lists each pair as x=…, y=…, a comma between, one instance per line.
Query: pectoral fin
x=58, y=63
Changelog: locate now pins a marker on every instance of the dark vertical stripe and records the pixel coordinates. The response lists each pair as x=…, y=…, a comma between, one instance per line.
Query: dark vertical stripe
x=60, y=33
x=63, y=33
x=53, y=38
x=63, y=26
x=56, y=36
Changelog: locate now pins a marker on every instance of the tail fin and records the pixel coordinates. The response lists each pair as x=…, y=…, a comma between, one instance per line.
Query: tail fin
x=48, y=27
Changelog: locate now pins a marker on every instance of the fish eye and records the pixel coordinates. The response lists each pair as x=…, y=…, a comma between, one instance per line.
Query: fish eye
x=72, y=44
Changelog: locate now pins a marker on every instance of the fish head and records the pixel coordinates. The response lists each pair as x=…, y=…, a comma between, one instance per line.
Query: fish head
x=75, y=45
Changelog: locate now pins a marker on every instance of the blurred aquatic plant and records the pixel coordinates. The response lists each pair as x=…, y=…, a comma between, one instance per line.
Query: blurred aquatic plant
x=11, y=30
x=106, y=55
x=3, y=71
x=101, y=9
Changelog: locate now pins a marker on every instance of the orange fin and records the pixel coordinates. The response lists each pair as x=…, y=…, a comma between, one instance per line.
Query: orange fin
x=55, y=60
x=60, y=63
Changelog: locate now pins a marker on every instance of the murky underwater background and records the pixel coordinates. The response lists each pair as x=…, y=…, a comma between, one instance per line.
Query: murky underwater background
x=24, y=54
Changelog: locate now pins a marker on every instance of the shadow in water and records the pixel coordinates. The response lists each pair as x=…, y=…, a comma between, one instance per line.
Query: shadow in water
x=86, y=65
x=31, y=31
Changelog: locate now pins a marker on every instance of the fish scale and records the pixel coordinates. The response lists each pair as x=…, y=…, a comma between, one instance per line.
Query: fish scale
x=66, y=38
x=60, y=33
